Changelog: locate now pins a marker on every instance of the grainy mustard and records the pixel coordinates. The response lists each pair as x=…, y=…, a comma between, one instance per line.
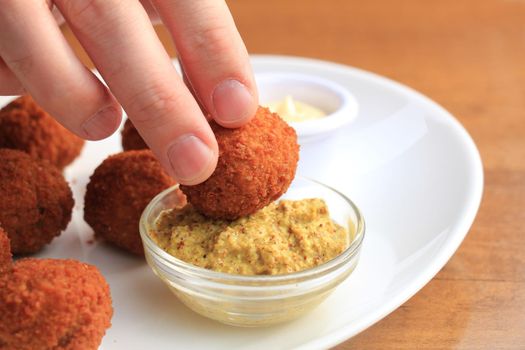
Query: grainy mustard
x=283, y=237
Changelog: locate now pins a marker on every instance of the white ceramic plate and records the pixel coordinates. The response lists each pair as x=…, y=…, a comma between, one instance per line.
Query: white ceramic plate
x=410, y=166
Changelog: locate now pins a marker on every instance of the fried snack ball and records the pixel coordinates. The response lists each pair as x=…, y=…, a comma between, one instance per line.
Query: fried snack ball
x=53, y=304
x=257, y=163
x=5, y=251
x=117, y=193
x=131, y=139
x=27, y=127
x=35, y=201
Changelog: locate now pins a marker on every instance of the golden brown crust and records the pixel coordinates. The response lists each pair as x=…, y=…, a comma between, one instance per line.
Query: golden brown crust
x=131, y=139
x=257, y=163
x=35, y=201
x=5, y=251
x=27, y=127
x=53, y=304
x=117, y=193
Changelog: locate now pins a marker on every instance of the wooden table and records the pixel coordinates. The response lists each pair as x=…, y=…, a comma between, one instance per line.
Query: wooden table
x=469, y=56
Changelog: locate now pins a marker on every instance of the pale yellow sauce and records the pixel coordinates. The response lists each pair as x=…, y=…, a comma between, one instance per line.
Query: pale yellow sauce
x=295, y=111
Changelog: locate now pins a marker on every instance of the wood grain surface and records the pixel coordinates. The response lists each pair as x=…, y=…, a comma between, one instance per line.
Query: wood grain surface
x=469, y=56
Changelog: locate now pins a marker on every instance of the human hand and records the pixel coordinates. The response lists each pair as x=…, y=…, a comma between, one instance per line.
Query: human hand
x=120, y=39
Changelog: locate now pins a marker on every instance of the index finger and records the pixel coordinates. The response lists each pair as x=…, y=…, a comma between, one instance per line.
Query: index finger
x=120, y=40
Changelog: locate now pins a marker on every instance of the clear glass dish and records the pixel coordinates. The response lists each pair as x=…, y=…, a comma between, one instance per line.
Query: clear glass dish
x=259, y=300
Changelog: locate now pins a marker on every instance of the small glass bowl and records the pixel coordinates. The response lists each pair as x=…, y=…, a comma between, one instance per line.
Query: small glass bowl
x=259, y=300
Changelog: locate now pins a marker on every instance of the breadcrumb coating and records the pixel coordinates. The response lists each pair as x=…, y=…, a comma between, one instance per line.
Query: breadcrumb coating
x=257, y=163
x=27, y=127
x=5, y=251
x=117, y=193
x=53, y=304
x=35, y=201
x=131, y=139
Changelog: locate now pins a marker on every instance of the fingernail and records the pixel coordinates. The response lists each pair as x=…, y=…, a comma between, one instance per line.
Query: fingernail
x=232, y=102
x=102, y=124
x=189, y=158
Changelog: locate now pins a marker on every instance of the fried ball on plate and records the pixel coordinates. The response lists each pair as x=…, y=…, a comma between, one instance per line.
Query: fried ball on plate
x=35, y=201
x=117, y=193
x=53, y=304
x=5, y=251
x=131, y=139
x=27, y=127
x=257, y=163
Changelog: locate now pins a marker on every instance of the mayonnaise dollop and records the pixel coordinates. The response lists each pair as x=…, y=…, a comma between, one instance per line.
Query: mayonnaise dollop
x=295, y=111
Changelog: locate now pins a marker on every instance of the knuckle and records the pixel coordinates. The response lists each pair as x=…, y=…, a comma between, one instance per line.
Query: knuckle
x=92, y=18
x=213, y=42
x=154, y=105
x=85, y=12
x=80, y=8
x=22, y=65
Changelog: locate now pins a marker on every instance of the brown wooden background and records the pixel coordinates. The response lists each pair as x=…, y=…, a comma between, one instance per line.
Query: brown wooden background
x=469, y=56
